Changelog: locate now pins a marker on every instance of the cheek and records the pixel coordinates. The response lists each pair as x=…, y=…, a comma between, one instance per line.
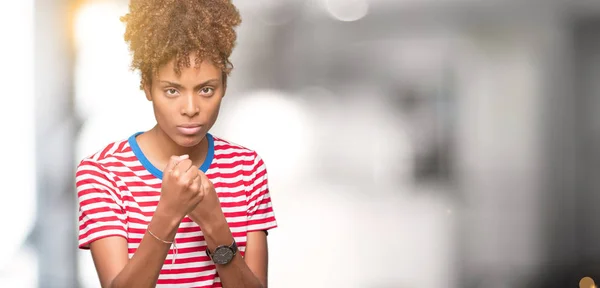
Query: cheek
x=162, y=112
x=214, y=110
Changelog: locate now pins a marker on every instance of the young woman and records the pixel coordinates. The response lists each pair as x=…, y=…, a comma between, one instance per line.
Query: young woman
x=175, y=205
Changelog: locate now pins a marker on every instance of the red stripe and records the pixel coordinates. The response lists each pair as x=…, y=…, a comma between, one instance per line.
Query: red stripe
x=185, y=280
x=83, y=203
x=232, y=165
x=260, y=221
x=231, y=194
x=193, y=229
x=121, y=147
x=125, y=159
x=131, y=173
x=99, y=220
x=234, y=153
x=103, y=154
x=142, y=184
x=101, y=229
x=186, y=270
x=88, y=162
x=93, y=211
x=265, y=210
x=255, y=194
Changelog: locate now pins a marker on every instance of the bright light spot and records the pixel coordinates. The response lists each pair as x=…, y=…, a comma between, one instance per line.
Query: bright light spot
x=347, y=10
x=102, y=57
x=96, y=23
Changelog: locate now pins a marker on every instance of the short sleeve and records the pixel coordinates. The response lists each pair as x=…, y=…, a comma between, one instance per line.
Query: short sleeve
x=101, y=212
x=260, y=209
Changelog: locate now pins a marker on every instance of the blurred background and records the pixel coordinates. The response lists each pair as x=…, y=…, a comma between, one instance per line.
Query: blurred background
x=410, y=143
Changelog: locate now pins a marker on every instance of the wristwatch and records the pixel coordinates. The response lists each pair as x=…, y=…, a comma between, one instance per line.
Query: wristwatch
x=223, y=254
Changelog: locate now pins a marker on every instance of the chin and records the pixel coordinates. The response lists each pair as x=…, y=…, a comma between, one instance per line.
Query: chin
x=189, y=141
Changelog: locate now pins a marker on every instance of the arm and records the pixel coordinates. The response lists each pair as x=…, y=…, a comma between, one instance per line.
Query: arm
x=103, y=223
x=110, y=255
x=251, y=273
x=209, y=216
x=257, y=255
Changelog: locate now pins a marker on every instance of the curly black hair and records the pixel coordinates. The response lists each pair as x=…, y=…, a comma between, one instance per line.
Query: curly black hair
x=159, y=31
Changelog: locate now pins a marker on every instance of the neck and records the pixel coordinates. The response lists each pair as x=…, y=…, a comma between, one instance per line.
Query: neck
x=164, y=147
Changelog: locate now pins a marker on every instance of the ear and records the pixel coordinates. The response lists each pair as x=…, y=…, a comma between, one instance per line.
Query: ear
x=148, y=91
x=224, y=79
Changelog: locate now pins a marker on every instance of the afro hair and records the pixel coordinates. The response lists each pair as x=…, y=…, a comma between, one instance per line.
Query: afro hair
x=160, y=31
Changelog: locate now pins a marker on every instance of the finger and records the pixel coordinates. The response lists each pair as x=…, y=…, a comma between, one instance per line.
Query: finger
x=174, y=161
x=199, y=195
x=194, y=186
x=182, y=167
x=197, y=180
x=190, y=175
x=204, y=181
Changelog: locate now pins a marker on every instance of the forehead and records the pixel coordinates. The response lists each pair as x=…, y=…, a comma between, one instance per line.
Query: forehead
x=204, y=71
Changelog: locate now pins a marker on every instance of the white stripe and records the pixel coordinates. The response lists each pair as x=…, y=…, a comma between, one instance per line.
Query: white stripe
x=95, y=205
x=187, y=275
x=101, y=234
x=261, y=215
x=231, y=160
x=194, y=284
x=231, y=150
x=262, y=226
x=147, y=188
x=92, y=225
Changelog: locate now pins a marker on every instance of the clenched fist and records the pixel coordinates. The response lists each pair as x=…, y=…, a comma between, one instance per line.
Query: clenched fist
x=208, y=211
x=181, y=187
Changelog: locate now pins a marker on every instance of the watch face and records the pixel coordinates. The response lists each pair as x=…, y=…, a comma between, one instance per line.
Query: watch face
x=222, y=255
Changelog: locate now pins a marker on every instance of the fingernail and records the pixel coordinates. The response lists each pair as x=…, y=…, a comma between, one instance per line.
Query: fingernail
x=185, y=156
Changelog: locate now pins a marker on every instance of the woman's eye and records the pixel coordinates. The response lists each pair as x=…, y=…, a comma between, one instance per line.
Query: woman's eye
x=207, y=91
x=171, y=92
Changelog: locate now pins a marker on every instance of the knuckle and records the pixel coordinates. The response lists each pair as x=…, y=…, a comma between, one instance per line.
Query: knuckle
x=182, y=181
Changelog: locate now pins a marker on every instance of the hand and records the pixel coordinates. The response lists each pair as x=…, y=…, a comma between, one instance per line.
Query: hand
x=180, y=191
x=209, y=208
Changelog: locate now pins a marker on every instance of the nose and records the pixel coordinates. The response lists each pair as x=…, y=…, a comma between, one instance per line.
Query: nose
x=190, y=107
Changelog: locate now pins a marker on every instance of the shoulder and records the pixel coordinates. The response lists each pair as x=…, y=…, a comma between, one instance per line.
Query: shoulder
x=230, y=152
x=95, y=177
x=228, y=149
x=113, y=154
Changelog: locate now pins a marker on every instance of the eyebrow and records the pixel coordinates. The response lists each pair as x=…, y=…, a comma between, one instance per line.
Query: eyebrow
x=177, y=85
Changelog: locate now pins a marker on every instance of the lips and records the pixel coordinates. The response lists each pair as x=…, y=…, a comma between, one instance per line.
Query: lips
x=189, y=129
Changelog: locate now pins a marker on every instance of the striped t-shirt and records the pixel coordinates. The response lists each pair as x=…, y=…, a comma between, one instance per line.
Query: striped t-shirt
x=118, y=190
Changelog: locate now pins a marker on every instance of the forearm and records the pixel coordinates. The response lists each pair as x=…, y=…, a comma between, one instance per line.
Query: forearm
x=144, y=267
x=236, y=273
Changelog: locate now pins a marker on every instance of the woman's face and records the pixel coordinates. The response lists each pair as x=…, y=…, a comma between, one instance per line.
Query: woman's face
x=186, y=106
